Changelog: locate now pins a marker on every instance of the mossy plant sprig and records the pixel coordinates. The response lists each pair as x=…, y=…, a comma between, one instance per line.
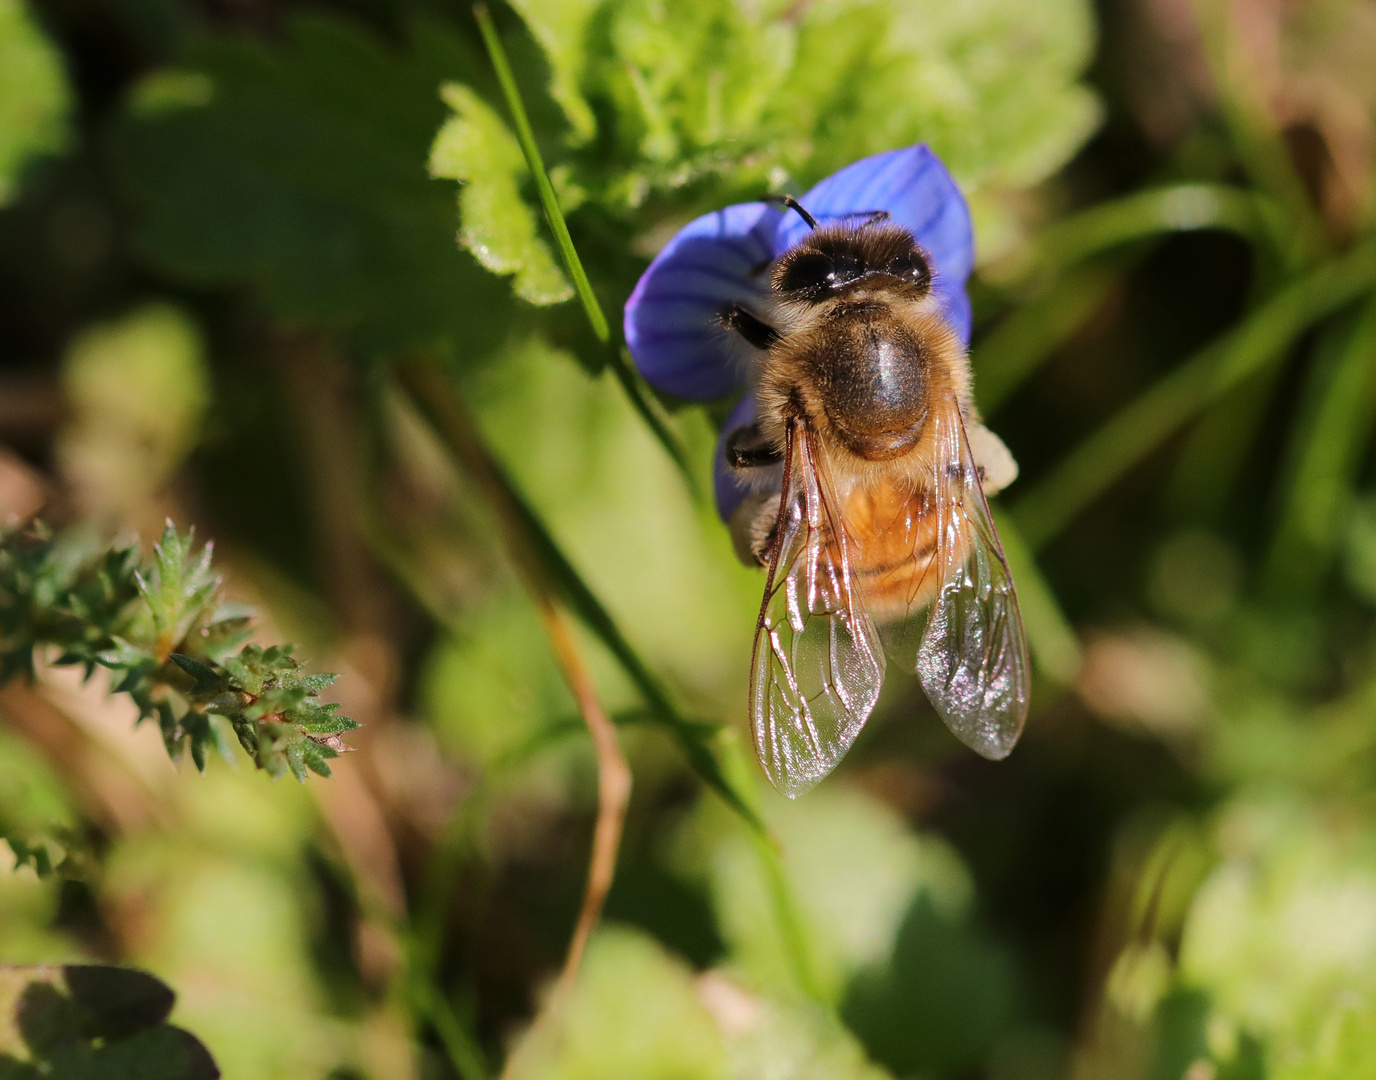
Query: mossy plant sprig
x=172, y=643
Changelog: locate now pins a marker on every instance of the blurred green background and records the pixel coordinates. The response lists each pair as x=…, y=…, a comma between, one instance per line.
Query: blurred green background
x=254, y=252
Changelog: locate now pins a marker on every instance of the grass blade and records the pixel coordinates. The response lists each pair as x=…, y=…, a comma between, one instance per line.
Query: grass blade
x=1007, y=356
x=1334, y=423
x=526, y=136
x=1218, y=448
x=644, y=403
x=1262, y=339
x=430, y=391
x=597, y=319
x=1180, y=208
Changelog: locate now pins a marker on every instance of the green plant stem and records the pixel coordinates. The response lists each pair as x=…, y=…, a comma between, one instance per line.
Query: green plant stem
x=1217, y=448
x=788, y=919
x=1262, y=339
x=643, y=403
x=430, y=391
x=1334, y=421
x=554, y=214
x=460, y=1047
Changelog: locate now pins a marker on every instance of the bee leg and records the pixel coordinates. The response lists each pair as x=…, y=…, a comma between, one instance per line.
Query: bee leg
x=755, y=518
x=753, y=526
x=757, y=333
x=746, y=448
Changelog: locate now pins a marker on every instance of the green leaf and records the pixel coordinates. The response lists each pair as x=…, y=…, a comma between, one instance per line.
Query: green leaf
x=992, y=87
x=940, y=1004
x=300, y=172
x=30, y=854
x=549, y=202
x=770, y=1036
x=691, y=81
x=1324, y=457
x=180, y=590
x=852, y=869
x=104, y=1023
x=561, y=27
x=636, y=1011
x=34, y=98
x=767, y=95
x=1282, y=937
x=207, y=678
x=632, y=1013
x=499, y=227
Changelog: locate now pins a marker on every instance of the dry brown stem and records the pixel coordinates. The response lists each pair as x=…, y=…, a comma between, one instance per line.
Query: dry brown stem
x=430, y=391
x=613, y=784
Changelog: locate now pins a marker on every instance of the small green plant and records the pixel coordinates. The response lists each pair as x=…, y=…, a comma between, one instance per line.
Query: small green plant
x=172, y=643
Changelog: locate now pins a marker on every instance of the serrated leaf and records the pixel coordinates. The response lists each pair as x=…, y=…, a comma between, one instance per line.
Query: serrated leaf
x=316, y=756
x=499, y=226
x=32, y=855
x=322, y=720
x=561, y=28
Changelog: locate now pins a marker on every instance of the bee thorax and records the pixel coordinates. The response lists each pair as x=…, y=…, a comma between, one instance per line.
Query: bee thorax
x=871, y=380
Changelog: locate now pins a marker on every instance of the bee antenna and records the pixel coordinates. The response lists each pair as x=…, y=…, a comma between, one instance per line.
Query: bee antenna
x=793, y=204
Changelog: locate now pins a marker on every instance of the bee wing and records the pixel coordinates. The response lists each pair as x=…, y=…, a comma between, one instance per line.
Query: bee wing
x=968, y=648
x=818, y=660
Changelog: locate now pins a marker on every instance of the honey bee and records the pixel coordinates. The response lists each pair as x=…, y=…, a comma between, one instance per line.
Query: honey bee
x=868, y=469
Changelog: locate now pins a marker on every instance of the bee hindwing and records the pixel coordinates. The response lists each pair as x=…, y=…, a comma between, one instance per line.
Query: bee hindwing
x=968, y=647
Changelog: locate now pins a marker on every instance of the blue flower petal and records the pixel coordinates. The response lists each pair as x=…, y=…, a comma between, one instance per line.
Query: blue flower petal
x=919, y=194
x=726, y=482
x=672, y=316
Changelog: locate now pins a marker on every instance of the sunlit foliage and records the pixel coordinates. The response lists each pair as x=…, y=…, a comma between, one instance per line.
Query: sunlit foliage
x=285, y=271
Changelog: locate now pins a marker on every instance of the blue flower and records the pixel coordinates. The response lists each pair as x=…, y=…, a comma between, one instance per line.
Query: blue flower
x=673, y=316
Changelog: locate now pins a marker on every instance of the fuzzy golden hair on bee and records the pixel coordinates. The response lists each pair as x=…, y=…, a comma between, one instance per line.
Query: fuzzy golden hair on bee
x=854, y=470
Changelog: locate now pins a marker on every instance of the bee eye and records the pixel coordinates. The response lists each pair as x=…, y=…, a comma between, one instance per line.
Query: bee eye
x=845, y=268
x=911, y=267
x=810, y=271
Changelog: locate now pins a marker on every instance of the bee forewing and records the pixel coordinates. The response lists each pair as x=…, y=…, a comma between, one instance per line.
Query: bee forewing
x=818, y=661
x=968, y=647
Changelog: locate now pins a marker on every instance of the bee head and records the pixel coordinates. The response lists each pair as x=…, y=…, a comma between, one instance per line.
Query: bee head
x=838, y=259
x=869, y=341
